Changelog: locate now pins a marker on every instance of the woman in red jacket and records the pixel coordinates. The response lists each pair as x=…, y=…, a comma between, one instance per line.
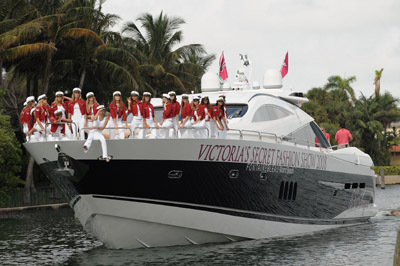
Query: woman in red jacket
x=168, y=115
x=26, y=113
x=135, y=107
x=149, y=119
x=77, y=111
x=186, y=117
x=118, y=121
x=220, y=118
x=91, y=109
x=177, y=109
x=42, y=116
x=199, y=117
x=209, y=124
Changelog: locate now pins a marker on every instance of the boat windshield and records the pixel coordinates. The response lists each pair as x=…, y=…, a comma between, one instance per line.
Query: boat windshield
x=309, y=134
x=236, y=110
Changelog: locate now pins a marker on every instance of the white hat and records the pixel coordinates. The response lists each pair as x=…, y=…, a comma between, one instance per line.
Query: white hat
x=185, y=95
x=58, y=112
x=100, y=107
x=171, y=92
x=29, y=99
x=33, y=110
x=89, y=94
x=24, y=103
x=134, y=93
x=222, y=95
x=76, y=89
x=146, y=93
x=41, y=97
x=220, y=99
x=116, y=92
x=165, y=95
x=196, y=98
x=59, y=93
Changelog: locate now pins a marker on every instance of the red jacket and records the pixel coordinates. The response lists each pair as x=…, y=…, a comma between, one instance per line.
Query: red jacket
x=200, y=112
x=177, y=108
x=186, y=110
x=121, y=111
x=134, y=108
x=54, y=127
x=25, y=115
x=169, y=111
x=42, y=112
x=146, y=110
x=82, y=106
x=92, y=109
x=54, y=108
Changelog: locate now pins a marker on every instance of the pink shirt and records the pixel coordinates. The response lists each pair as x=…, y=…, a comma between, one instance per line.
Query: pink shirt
x=343, y=136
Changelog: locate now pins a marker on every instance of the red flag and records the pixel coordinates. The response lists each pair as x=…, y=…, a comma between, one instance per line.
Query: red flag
x=285, y=65
x=223, y=73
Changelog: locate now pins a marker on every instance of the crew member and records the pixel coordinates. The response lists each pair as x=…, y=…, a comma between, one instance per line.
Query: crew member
x=209, y=122
x=186, y=117
x=95, y=132
x=57, y=128
x=26, y=113
x=199, y=117
x=42, y=114
x=176, y=108
x=168, y=116
x=135, y=107
x=220, y=118
x=327, y=136
x=31, y=128
x=118, y=117
x=149, y=119
x=61, y=103
x=343, y=136
x=77, y=111
x=91, y=109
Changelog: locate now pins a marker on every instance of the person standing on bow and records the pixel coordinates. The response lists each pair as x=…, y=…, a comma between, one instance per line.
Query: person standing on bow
x=135, y=107
x=220, y=118
x=186, y=117
x=91, y=109
x=57, y=129
x=61, y=103
x=209, y=123
x=77, y=112
x=26, y=113
x=177, y=109
x=42, y=116
x=168, y=116
x=149, y=119
x=95, y=132
x=199, y=118
x=343, y=136
x=118, y=117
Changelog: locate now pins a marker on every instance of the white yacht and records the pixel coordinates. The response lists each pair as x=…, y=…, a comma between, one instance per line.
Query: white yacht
x=268, y=178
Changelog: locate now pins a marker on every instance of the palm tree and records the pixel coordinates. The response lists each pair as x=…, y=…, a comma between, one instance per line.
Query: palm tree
x=377, y=81
x=337, y=82
x=162, y=67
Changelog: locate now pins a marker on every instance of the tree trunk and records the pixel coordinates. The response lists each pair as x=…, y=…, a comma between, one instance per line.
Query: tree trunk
x=82, y=80
x=28, y=85
x=35, y=85
x=46, y=77
x=29, y=184
x=1, y=73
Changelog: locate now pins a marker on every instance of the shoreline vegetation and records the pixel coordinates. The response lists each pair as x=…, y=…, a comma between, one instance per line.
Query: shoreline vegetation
x=48, y=47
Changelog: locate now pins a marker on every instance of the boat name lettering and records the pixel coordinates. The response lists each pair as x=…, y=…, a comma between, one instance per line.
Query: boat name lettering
x=262, y=156
x=252, y=167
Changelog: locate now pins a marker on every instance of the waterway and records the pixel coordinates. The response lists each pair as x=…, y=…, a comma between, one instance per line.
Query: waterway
x=56, y=238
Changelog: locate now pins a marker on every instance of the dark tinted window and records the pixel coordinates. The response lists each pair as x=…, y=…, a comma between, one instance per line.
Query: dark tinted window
x=236, y=110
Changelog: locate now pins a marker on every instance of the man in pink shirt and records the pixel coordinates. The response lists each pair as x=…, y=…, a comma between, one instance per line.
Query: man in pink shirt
x=343, y=137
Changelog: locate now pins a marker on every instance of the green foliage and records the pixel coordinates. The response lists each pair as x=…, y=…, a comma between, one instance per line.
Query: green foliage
x=389, y=170
x=367, y=118
x=10, y=159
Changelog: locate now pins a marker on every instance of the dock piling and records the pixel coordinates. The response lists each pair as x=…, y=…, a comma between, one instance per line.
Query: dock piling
x=396, y=261
x=382, y=173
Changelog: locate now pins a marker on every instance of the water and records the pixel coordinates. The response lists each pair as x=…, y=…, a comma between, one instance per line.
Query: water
x=56, y=238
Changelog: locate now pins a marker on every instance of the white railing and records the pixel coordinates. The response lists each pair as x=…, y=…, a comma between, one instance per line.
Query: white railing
x=62, y=123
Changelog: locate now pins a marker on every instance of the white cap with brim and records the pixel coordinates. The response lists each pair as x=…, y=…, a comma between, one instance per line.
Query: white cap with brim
x=146, y=93
x=100, y=107
x=134, y=93
x=29, y=99
x=171, y=92
x=59, y=93
x=196, y=98
x=89, y=94
x=58, y=112
x=116, y=93
x=185, y=95
x=43, y=96
x=165, y=95
x=220, y=99
x=25, y=103
x=76, y=89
